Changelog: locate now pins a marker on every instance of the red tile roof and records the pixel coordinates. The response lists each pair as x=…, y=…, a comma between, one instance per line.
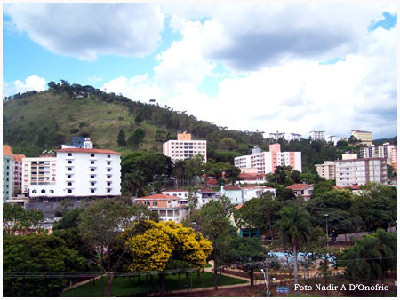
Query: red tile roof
x=298, y=186
x=253, y=176
x=351, y=187
x=239, y=206
x=158, y=197
x=212, y=181
x=231, y=188
x=87, y=150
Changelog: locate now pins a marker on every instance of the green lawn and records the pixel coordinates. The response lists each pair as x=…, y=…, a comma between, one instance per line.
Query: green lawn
x=131, y=287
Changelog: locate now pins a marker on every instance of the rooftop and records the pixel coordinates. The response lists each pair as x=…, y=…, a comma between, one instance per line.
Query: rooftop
x=87, y=150
x=231, y=188
x=298, y=186
x=158, y=197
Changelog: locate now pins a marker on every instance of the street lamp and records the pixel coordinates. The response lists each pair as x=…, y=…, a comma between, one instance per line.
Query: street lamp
x=326, y=224
x=266, y=280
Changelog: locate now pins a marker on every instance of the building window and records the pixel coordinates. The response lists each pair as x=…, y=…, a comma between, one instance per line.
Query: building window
x=109, y=163
x=52, y=191
x=69, y=183
x=108, y=155
x=69, y=169
x=69, y=154
x=108, y=176
x=92, y=191
x=108, y=190
x=154, y=203
x=92, y=169
x=69, y=176
x=43, y=191
x=147, y=203
x=92, y=176
x=70, y=161
x=92, y=183
x=92, y=162
x=33, y=191
x=108, y=183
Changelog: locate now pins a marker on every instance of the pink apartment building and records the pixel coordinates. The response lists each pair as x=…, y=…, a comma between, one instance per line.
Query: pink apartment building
x=266, y=162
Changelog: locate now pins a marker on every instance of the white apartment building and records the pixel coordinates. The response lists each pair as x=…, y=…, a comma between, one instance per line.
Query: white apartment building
x=384, y=151
x=266, y=162
x=239, y=195
x=79, y=172
x=317, y=135
x=37, y=172
x=361, y=171
x=326, y=170
x=184, y=147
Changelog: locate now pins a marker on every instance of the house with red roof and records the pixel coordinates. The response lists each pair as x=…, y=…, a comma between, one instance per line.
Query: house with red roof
x=251, y=178
x=303, y=190
x=168, y=208
x=205, y=195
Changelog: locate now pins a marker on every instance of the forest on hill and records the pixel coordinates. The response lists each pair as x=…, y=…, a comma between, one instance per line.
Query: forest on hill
x=38, y=121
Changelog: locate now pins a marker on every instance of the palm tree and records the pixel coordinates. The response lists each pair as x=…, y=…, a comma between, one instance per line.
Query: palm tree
x=133, y=182
x=295, y=227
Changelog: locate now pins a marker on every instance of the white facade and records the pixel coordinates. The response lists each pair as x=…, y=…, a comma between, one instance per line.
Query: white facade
x=184, y=147
x=7, y=177
x=361, y=171
x=266, y=162
x=37, y=172
x=177, y=193
x=83, y=173
x=238, y=195
x=317, y=135
x=384, y=151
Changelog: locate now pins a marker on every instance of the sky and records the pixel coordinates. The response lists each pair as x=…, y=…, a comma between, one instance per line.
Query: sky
x=271, y=66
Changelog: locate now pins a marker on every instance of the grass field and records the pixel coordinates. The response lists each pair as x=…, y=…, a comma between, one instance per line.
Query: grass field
x=122, y=286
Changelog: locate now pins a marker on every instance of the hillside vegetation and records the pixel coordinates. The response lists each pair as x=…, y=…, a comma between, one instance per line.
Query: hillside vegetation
x=38, y=121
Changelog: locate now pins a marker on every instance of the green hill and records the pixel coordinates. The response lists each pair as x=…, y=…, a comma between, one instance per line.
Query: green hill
x=35, y=121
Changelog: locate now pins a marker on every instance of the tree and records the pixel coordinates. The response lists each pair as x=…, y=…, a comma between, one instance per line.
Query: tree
x=232, y=173
x=160, y=243
x=247, y=253
x=215, y=226
x=121, y=139
x=39, y=255
x=372, y=257
x=258, y=213
x=377, y=206
x=18, y=220
x=294, y=226
x=136, y=138
x=100, y=226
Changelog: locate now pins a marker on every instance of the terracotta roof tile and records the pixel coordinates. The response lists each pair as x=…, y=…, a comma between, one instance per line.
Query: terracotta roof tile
x=158, y=197
x=298, y=186
x=231, y=188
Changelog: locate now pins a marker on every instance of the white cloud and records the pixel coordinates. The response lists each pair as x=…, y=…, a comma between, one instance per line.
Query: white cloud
x=88, y=30
x=31, y=83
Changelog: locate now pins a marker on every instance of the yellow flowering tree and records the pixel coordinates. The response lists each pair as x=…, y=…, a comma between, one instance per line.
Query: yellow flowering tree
x=159, y=243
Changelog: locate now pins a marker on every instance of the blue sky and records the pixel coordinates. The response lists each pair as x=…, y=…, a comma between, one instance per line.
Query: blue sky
x=262, y=66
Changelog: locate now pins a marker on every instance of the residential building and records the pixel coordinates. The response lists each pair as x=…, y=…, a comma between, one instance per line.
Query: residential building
x=294, y=136
x=302, y=190
x=251, y=178
x=276, y=135
x=7, y=177
x=361, y=171
x=326, y=170
x=364, y=136
x=17, y=167
x=206, y=195
x=239, y=195
x=266, y=162
x=383, y=151
x=168, y=208
x=75, y=172
x=183, y=194
x=37, y=172
x=347, y=156
x=317, y=135
x=184, y=147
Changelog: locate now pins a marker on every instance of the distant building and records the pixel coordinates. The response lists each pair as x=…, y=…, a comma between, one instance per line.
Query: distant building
x=183, y=194
x=294, y=137
x=239, y=195
x=79, y=142
x=326, y=170
x=16, y=169
x=384, y=151
x=7, y=177
x=317, y=135
x=347, y=156
x=205, y=195
x=168, y=208
x=361, y=171
x=184, y=147
x=276, y=135
x=73, y=173
x=266, y=162
x=251, y=178
x=302, y=190
x=364, y=136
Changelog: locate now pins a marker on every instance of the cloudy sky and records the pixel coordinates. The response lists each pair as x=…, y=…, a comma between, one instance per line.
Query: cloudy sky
x=291, y=67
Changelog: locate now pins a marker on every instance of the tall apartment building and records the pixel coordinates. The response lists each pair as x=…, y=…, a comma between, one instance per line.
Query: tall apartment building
x=184, y=147
x=326, y=170
x=364, y=136
x=7, y=177
x=266, y=162
x=78, y=172
x=384, y=151
x=294, y=136
x=361, y=171
x=16, y=168
x=37, y=172
x=317, y=135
